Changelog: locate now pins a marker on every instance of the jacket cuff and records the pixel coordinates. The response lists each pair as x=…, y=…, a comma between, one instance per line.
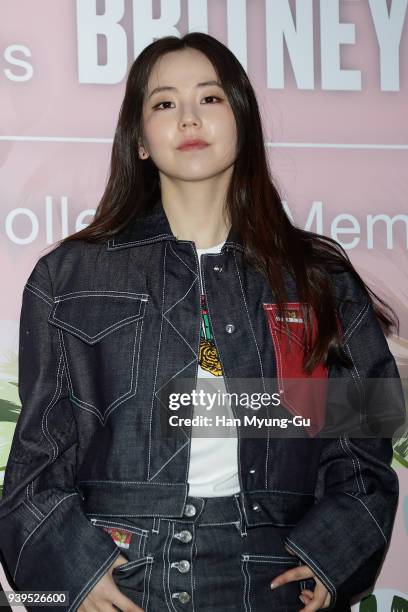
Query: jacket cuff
x=341, y=544
x=64, y=552
x=320, y=573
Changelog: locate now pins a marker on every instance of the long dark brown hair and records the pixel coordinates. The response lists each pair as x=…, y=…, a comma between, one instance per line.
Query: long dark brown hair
x=253, y=202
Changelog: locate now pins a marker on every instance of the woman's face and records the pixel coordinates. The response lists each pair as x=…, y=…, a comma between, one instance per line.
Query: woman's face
x=187, y=111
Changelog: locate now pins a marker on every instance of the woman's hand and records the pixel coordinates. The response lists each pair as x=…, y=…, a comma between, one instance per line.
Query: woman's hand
x=313, y=600
x=105, y=593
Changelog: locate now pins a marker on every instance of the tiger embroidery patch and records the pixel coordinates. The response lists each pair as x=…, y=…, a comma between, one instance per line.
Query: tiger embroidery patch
x=207, y=353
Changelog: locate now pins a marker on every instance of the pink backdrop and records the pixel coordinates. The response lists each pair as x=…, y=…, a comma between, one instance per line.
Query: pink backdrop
x=331, y=80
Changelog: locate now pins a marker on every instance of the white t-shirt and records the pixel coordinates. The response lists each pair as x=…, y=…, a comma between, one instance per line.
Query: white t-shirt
x=213, y=468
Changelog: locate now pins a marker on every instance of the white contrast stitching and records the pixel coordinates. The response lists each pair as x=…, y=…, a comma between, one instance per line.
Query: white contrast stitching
x=192, y=569
x=31, y=510
x=103, y=292
x=246, y=600
x=30, y=500
x=357, y=473
x=260, y=364
x=369, y=512
x=118, y=245
x=242, y=523
x=356, y=321
x=347, y=443
x=182, y=261
x=168, y=460
x=137, y=530
x=115, y=553
x=156, y=369
x=169, y=566
x=125, y=396
x=28, y=284
x=39, y=296
x=105, y=332
x=164, y=567
x=147, y=598
x=126, y=482
x=36, y=527
x=132, y=564
x=357, y=380
x=216, y=524
x=318, y=571
x=52, y=403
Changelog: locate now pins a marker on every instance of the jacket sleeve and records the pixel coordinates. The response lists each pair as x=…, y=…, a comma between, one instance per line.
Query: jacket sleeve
x=46, y=540
x=345, y=535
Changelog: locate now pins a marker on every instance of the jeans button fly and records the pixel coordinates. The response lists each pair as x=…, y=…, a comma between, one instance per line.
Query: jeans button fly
x=184, y=536
x=190, y=510
x=183, y=596
x=183, y=566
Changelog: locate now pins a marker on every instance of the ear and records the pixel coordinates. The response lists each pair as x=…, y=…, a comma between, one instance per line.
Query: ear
x=143, y=154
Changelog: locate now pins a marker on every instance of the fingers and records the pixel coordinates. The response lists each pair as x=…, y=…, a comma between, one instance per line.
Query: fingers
x=95, y=606
x=327, y=601
x=116, y=597
x=120, y=560
x=115, y=601
x=124, y=603
x=297, y=573
x=315, y=600
x=105, y=596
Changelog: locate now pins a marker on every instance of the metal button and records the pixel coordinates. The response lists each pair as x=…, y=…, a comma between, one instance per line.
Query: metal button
x=217, y=268
x=230, y=328
x=183, y=566
x=256, y=507
x=184, y=536
x=190, y=510
x=183, y=596
x=252, y=471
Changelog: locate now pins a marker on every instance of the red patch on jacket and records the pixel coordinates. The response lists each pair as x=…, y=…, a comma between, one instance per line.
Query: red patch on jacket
x=301, y=397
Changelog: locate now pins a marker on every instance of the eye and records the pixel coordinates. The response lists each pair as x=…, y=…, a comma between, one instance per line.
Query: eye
x=156, y=106
x=216, y=97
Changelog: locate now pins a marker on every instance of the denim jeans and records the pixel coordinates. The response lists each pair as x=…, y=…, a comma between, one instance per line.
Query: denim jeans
x=209, y=561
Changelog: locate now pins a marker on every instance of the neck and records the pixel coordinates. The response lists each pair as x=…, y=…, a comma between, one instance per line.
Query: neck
x=196, y=211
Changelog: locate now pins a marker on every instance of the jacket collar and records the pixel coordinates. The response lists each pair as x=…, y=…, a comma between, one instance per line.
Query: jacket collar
x=155, y=227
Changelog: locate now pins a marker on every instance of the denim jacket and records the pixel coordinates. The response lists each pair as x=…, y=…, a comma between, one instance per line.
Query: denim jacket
x=104, y=329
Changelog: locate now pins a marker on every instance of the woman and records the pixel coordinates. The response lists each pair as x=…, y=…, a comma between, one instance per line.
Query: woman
x=108, y=494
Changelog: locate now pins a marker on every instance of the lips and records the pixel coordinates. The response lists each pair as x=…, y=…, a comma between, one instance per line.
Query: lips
x=193, y=144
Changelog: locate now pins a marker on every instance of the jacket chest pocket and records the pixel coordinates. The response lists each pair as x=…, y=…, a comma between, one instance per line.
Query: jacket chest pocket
x=101, y=332
x=304, y=395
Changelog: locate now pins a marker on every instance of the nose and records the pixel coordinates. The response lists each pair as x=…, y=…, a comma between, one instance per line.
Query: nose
x=189, y=121
x=189, y=117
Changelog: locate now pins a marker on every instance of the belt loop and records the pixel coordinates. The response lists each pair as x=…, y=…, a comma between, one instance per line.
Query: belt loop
x=156, y=525
x=242, y=524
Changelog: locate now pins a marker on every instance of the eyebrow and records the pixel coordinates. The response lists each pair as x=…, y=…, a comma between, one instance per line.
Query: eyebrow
x=168, y=88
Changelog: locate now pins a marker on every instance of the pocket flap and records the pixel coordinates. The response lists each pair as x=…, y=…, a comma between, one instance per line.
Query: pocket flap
x=91, y=315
